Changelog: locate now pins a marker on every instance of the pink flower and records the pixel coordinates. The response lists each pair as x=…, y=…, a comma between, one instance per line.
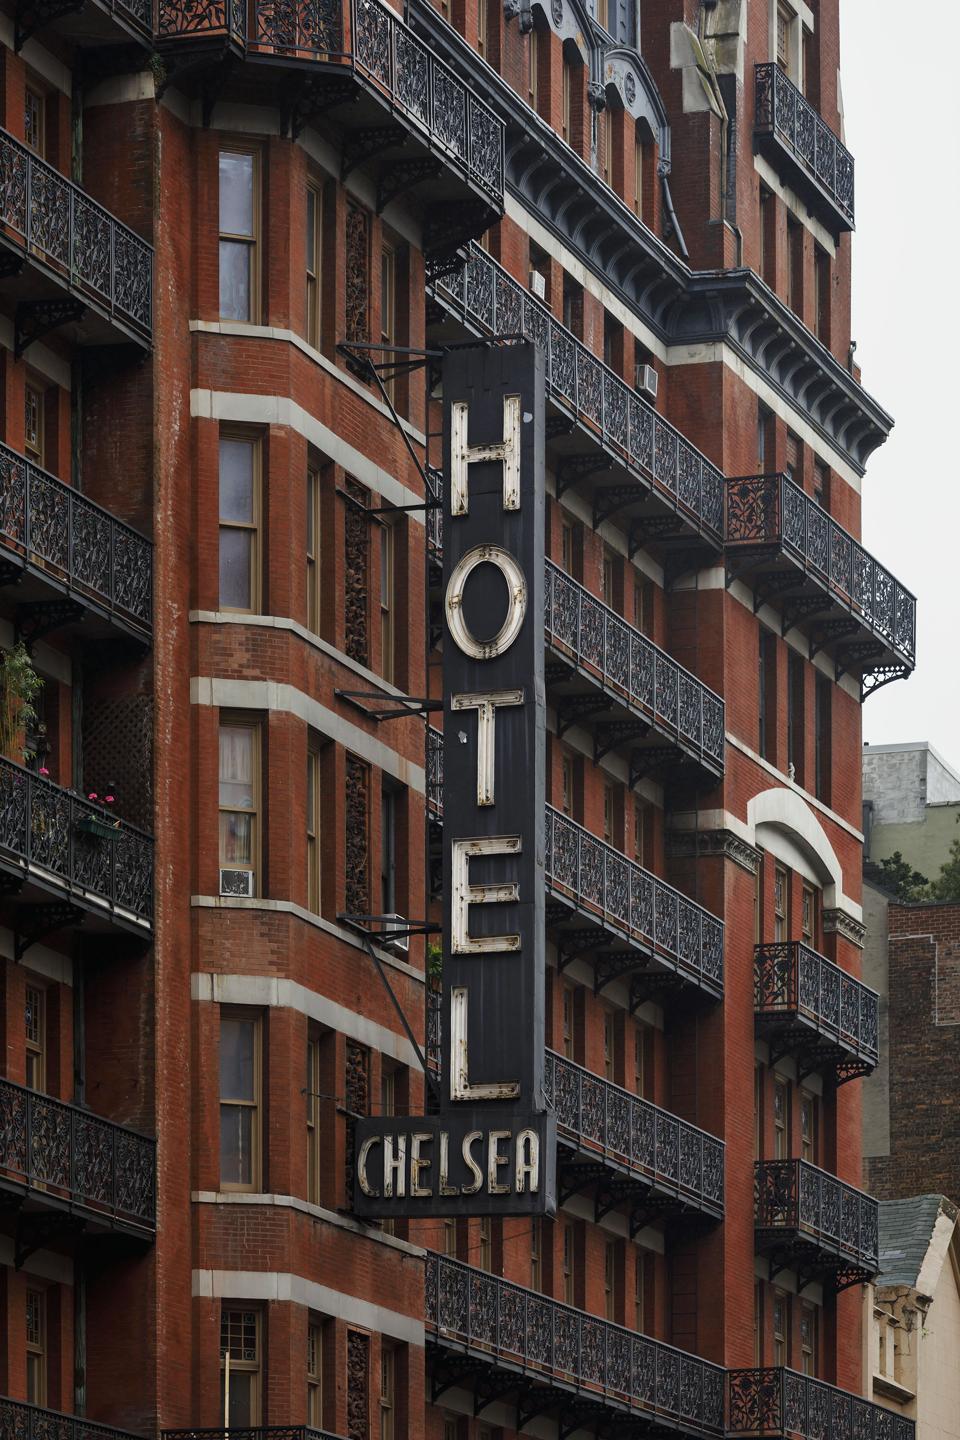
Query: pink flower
x=44, y=770
x=92, y=795
x=108, y=799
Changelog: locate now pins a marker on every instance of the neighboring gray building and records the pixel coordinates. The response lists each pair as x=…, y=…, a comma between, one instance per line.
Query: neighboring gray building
x=911, y=801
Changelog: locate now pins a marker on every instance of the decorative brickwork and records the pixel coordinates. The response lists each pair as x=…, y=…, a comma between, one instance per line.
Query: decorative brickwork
x=358, y=1383
x=357, y=837
x=356, y=573
x=356, y=1098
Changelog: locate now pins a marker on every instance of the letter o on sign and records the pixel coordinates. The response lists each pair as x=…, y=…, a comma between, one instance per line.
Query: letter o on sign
x=516, y=608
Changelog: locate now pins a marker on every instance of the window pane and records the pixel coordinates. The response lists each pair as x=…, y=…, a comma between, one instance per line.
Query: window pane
x=311, y=230
x=236, y=553
x=236, y=766
x=236, y=193
x=236, y=481
x=242, y=1399
x=236, y=1128
x=236, y=839
x=235, y=258
x=237, y=1050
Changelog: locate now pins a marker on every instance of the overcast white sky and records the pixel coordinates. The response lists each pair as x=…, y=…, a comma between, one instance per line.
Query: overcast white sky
x=902, y=120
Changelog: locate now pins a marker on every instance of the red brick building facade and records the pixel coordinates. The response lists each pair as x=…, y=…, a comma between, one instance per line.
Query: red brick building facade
x=215, y=525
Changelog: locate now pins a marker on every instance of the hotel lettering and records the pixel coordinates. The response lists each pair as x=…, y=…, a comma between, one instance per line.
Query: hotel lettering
x=492, y=1147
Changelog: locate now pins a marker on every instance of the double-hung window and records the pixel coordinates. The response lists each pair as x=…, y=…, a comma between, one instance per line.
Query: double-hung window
x=239, y=225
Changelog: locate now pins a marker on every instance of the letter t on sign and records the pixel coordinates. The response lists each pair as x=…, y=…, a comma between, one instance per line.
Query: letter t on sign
x=463, y=455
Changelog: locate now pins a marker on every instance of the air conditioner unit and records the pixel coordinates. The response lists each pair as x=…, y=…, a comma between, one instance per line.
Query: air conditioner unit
x=646, y=381
x=538, y=284
x=390, y=924
x=237, y=883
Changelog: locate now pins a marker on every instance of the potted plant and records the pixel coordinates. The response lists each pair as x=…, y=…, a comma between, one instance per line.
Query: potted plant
x=100, y=823
x=19, y=686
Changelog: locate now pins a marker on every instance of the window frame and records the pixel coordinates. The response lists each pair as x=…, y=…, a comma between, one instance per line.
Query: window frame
x=315, y=1347
x=246, y=1367
x=314, y=608
x=35, y=390
x=34, y=88
x=389, y=307
x=313, y=267
x=236, y=436
x=387, y=1396
x=230, y=721
x=312, y=825
x=252, y=241
x=36, y=1048
x=233, y=1014
x=313, y=1119
x=781, y=905
x=781, y=1118
x=36, y=1350
x=387, y=603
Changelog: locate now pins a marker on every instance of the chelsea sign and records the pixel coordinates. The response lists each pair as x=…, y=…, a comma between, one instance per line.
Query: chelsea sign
x=492, y=1147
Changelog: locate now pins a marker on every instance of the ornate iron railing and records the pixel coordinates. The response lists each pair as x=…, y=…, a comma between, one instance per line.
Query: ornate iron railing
x=470, y=1309
x=581, y=384
x=781, y=110
x=626, y=661
x=771, y=510
x=381, y=47
x=795, y=1195
x=252, y=1432
x=42, y=828
x=78, y=541
x=77, y=1156
x=791, y=979
x=59, y=223
x=30, y=1422
x=601, y=881
x=777, y=1401
x=628, y=1130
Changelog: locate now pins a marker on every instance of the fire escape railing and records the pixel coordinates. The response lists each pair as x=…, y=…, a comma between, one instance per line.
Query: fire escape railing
x=791, y=979
x=77, y=1156
x=782, y=110
x=588, y=389
x=82, y=544
x=776, y=1401
x=380, y=46
x=795, y=1195
x=59, y=223
x=48, y=829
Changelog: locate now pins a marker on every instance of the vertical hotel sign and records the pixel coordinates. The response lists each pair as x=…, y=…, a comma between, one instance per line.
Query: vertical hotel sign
x=492, y=1147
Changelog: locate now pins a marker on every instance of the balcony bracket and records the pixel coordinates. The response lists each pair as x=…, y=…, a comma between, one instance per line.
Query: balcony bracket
x=533, y=1401
x=610, y=966
x=574, y=709
x=557, y=426
x=487, y=1390
x=403, y=175
x=830, y=630
x=33, y=922
x=684, y=560
x=649, y=528
x=572, y=468
x=653, y=985
x=37, y=618
x=768, y=585
x=11, y=572
x=611, y=499
x=449, y=227
x=35, y=1232
x=644, y=762
x=616, y=732
x=35, y=318
x=801, y=607
x=11, y=263
x=364, y=144
x=451, y=1374
x=577, y=1175
x=571, y=944
x=874, y=680
x=33, y=17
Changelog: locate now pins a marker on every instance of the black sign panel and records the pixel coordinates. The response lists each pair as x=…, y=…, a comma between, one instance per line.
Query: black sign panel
x=492, y=1148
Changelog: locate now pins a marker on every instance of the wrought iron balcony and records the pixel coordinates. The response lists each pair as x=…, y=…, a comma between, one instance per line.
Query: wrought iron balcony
x=606, y=673
x=598, y=900
x=87, y=25
x=52, y=537
x=57, y=1156
x=553, y=1357
x=251, y=1432
x=788, y=130
x=75, y=263
x=398, y=102
x=53, y=842
x=806, y=1006
x=639, y=465
x=30, y=1422
x=659, y=1163
x=795, y=555
x=808, y=1219
x=778, y=1402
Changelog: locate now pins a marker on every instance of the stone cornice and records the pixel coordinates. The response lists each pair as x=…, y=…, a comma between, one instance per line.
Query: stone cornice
x=682, y=844
x=840, y=923
x=680, y=305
